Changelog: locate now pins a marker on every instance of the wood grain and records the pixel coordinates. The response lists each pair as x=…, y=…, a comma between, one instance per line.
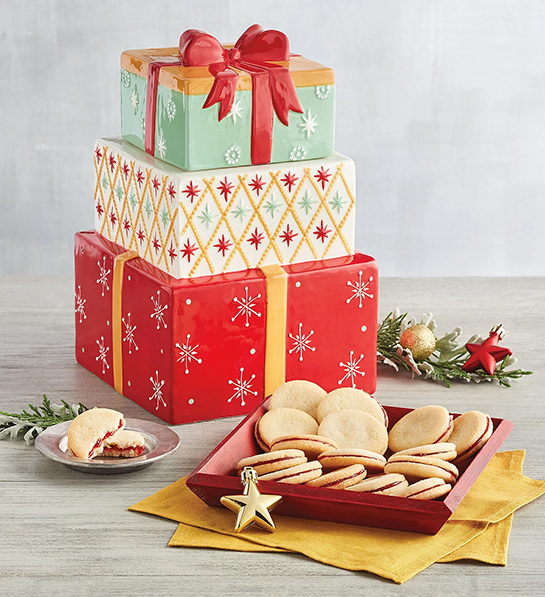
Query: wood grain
x=67, y=533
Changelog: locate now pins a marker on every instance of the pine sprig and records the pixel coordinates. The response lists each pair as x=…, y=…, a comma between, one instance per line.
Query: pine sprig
x=30, y=424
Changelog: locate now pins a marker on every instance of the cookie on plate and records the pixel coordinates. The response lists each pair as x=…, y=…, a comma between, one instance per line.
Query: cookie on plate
x=355, y=429
x=470, y=432
x=333, y=459
x=87, y=432
x=273, y=461
x=350, y=398
x=425, y=425
x=124, y=444
x=443, y=450
x=389, y=484
x=426, y=489
x=415, y=468
x=280, y=422
x=341, y=478
x=295, y=475
x=300, y=394
x=311, y=445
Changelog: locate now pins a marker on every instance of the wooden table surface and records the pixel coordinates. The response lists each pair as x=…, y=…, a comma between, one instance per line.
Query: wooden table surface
x=67, y=533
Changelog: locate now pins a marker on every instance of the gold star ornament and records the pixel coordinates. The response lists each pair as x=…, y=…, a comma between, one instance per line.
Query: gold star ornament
x=251, y=507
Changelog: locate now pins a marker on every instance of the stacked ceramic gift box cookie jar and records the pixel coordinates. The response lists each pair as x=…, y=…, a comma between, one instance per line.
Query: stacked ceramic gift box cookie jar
x=222, y=261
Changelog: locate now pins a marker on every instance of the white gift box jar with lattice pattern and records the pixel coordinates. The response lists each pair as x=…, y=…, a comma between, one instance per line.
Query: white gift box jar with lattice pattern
x=207, y=222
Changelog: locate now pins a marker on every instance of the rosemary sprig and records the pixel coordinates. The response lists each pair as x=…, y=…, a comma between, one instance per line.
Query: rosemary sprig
x=31, y=424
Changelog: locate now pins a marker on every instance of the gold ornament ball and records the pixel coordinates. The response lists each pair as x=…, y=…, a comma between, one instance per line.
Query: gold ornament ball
x=420, y=340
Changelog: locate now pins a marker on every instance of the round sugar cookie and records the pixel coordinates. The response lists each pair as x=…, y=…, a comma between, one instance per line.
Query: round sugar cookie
x=415, y=468
x=342, y=457
x=389, y=484
x=350, y=398
x=426, y=489
x=311, y=445
x=300, y=394
x=340, y=478
x=470, y=432
x=87, y=432
x=443, y=450
x=355, y=429
x=280, y=422
x=425, y=425
x=273, y=461
x=295, y=475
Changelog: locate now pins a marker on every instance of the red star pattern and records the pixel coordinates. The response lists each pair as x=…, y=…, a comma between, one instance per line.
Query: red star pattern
x=225, y=188
x=100, y=209
x=323, y=176
x=188, y=250
x=223, y=245
x=171, y=190
x=289, y=180
x=125, y=169
x=156, y=244
x=172, y=253
x=139, y=177
x=321, y=232
x=126, y=224
x=256, y=238
x=486, y=355
x=141, y=236
x=156, y=184
x=113, y=217
x=191, y=191
x=98, y=154
x=288, y=235
x=112, y=162
x=257, y=184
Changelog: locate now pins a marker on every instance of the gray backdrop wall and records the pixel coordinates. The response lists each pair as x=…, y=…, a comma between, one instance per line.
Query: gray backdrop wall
x=441, y=103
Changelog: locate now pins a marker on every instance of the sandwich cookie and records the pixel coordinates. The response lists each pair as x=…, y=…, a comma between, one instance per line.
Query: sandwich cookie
x=415, y=468
x=302, y=473
x=88, y=431
x=273, y=461
x=124, y=444
x=426, y=489
x=299, y=394
x=350, y=398
x=280, y=422
x=333, y=459
x=443, y=450
x=355, y=429
x=422, y=426
x=389, y=484
x=311, y=445
x=470, y=432
x=341, y=478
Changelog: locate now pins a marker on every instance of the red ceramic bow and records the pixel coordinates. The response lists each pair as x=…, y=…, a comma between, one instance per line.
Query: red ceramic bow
x=273, y=90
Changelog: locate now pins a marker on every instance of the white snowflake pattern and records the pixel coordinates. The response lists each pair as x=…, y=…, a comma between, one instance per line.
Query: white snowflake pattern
x=322, y=91
x=159, y=310
x=134, y=100
x=360, y=289
x=157, y=390
x=236, y=111
x=171, y=110
x=246, y=306
x=102, y=352
x=80, y=305
x=232, y=155
x=161, y=144
x=242, y=387
x=129, y=333
x=103, y=275
x=125, y=78
x=309, y=123
x=301, y=342
x=188, y=353
x=352, y=369
x=298, y=153
x=143, y=123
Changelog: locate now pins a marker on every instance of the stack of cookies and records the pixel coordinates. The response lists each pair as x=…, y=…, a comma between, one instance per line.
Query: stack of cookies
x=340, y=440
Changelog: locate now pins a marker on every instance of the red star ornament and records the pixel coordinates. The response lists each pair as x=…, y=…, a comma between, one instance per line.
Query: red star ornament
x=486, y=355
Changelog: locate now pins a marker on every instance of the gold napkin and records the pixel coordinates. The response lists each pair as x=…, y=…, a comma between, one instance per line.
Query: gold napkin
x=479, y=528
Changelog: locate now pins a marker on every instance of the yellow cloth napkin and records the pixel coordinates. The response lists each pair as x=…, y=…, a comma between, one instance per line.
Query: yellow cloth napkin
x=479, y=528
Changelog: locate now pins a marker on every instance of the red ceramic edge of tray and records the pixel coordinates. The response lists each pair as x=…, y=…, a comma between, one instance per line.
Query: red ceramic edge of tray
x=210, y=480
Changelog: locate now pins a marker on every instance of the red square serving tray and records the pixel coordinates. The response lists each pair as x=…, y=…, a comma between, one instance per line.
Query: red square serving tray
x=216, y=476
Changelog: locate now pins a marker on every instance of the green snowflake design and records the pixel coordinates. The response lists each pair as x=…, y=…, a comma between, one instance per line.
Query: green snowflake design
x=105, y=182
x=148, y=208
x=133, y=200
x=241, y=211
x=307, y=202
x=207, y=216
x=272, y=205
x=337, y=202
x=119, y=192
x=165, y=217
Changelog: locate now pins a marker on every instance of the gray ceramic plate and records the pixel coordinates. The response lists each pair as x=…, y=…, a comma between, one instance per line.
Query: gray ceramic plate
x=160, y=442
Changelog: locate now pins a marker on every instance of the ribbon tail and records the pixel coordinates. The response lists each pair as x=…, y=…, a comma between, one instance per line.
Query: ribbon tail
x=223, y=91
x=284, y=94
